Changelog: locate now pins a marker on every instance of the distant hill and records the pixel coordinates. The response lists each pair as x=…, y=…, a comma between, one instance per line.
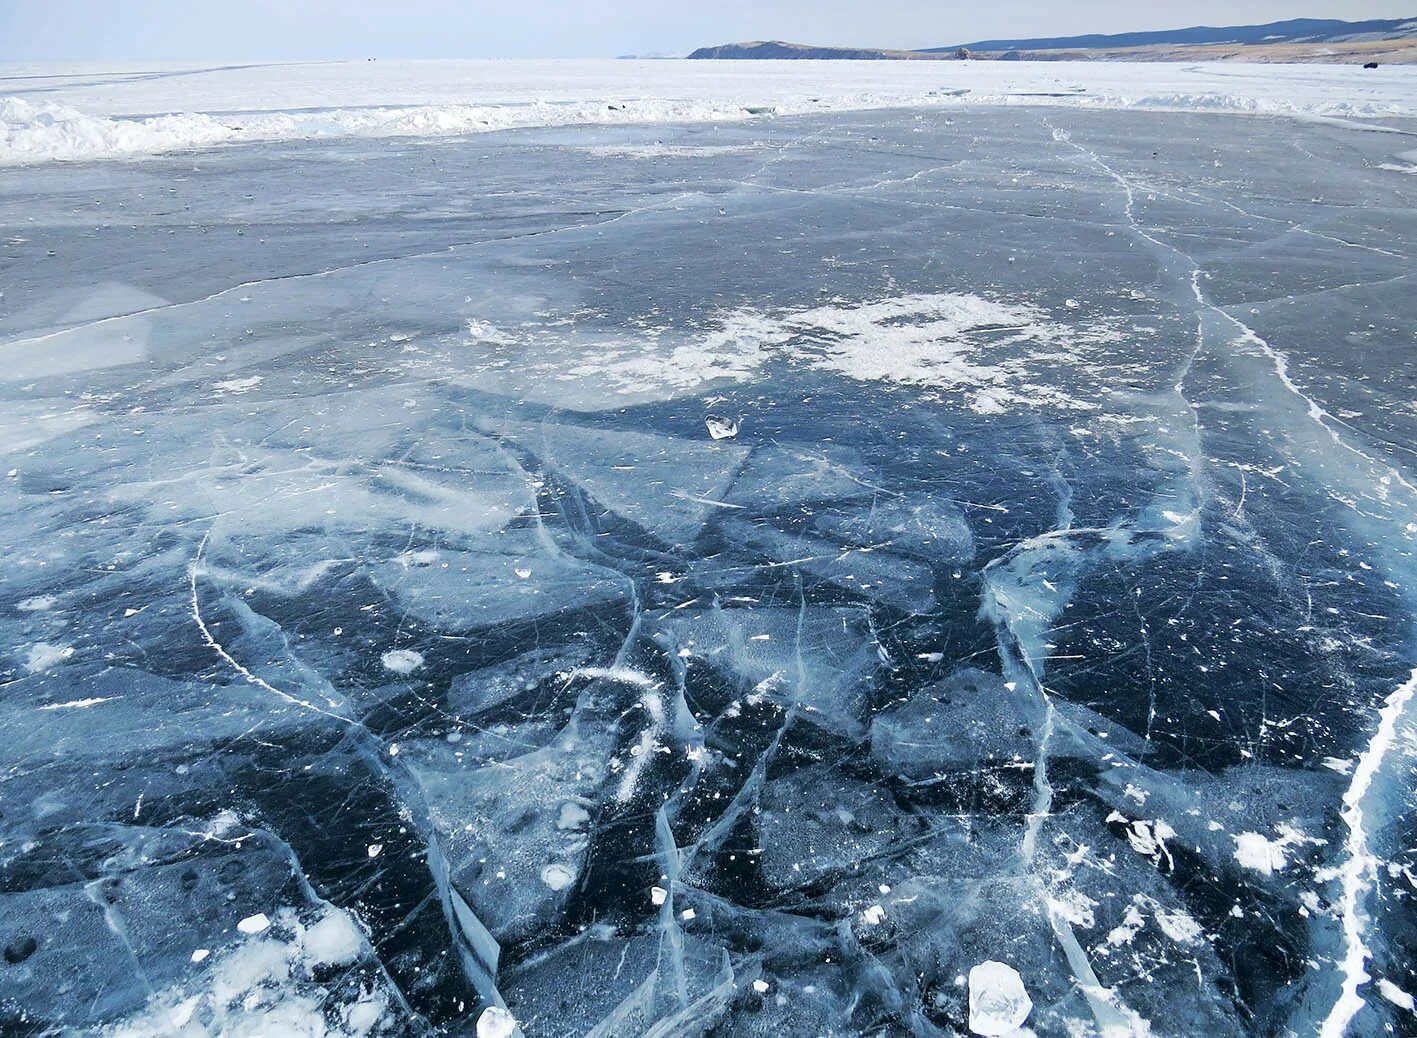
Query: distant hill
x=779, y=50
x=1296, y=30
x=1299, y=39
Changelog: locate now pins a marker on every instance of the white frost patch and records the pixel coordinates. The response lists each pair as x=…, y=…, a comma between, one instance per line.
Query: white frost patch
x=1178, y=926
x=1145, y=837
x=875, y=915
x=558, y=876
x=496, y=1022
x=998, y=1002
x=1259, y=852
x=996, y=355
x=43, y=655
x=266, y=985
x=1074, y=906
x=624, y=675
x=1396, y=995
x=78, y=704
x=402, y=661
x=660, y=150
x=238, y=385
x=998, y=352
x=37, y=604
x=1131, y=924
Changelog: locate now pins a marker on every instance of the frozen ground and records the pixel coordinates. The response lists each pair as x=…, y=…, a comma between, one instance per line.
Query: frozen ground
x=79, y=112
x=892, y=573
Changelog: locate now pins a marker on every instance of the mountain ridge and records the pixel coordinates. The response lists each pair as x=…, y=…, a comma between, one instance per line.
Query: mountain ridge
x=1294, y=37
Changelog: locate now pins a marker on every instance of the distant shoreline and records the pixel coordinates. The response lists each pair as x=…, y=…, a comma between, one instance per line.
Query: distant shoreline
x=1299, y=40
x=1358, y=52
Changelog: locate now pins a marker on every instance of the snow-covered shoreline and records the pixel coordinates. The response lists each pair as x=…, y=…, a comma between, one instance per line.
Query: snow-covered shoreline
x=50, y=113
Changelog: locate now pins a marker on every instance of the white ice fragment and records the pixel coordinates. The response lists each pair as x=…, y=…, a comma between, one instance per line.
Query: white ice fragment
x=374, y=849
x=200, y=954
x=254, y=923
x=1072, y=304
x=333, y=941
x=658, y=895
x=760, y=985
x=721, y=428
x=572, y=816
x=687, y=914
x=402, y=661
x=558, y=876
x=998, y=1003
x=496, y=1022
x=523, y=573
x=874, y=916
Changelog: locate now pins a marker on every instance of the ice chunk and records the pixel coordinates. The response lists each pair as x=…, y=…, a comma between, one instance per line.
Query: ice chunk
x=781, y=475
x=558, y=876
x=959, y=724
x=721, y=428
x=934, y=528
x=880, y=576
x=496, y=1022
x=572, y=816
x=479, y=587
x=821, y=659
x=998, y=1003
x=666, y=486
x=254, y=923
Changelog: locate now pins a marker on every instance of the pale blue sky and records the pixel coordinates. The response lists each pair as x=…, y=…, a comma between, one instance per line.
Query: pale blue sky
x=115, y=30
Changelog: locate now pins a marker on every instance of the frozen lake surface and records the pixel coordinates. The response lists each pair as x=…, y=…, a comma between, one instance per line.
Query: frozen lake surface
x=871, y=573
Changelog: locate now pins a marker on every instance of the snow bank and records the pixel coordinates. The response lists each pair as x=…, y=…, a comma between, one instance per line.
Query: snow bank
x=81, y=113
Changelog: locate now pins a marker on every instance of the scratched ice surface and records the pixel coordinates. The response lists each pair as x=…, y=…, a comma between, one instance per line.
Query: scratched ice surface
x=398, y=638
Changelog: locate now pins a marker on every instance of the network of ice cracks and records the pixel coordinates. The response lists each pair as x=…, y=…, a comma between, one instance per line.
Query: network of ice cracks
x=914, y=661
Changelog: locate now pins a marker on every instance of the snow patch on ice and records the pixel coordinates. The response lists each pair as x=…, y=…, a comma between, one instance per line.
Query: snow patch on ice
x=1268, y=855
x=1178, y=926
x=1396, y=995
x=996, y=356
x=43, y=655
x=267, y=985
x=402, y=661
